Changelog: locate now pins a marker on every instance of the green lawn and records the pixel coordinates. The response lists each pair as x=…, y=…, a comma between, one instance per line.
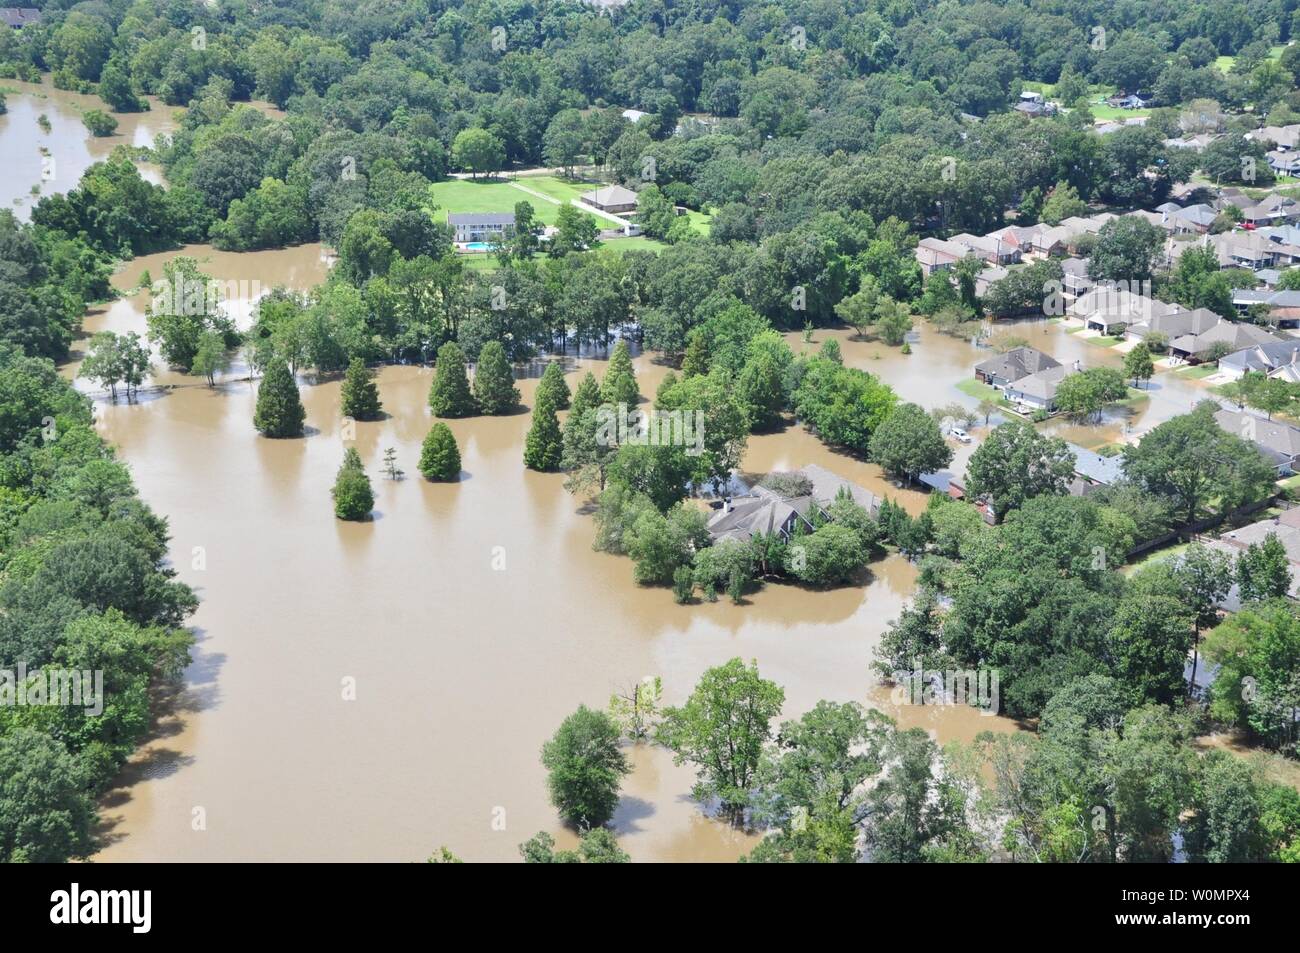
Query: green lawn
x=981, y=391
x=1196, y=372
x=489, y=195
x=1114, y=113
x=1225, y=63
x=1102, y=340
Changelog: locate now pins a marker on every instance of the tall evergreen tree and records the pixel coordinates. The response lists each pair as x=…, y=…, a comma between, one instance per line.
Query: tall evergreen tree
x=544, y=446
x=619, y=385
x=360, y=395
x=353, y=497
x=494, y=382
x=553, y=383
x=279, y=411
x=586, y=396
x=439, y=456
x=449, y=396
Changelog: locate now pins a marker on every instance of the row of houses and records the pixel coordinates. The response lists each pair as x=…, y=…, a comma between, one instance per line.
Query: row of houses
x=1008, y=245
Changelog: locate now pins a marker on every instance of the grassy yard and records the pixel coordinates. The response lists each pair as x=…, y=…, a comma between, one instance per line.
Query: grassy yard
x=1100, y=110
x=1103, y=340
x=981, y=391
x=1225, y=63
x=500, y=195
x=490, y=195
x=1196, y=372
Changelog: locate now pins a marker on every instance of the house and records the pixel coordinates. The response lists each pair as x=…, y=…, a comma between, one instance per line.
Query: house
x=1131, y=101
x=1250, y=250
x=1032, y=104
x=1192, y=220
x=1174, y=324
x=481, y=226
x=634, y=115
x=1038, y=391
x=1278, y=442
x=1112, y=310
x=1224, y=337
x=1285, y=526
x=1017, y=363
x=1273, y=209
x=611, y=198
x=935, y=254
x=1092, y=470
x=1283, y=306
x=1197, y=143
x=1287, y=137
x=984, y=280
x=1074, y=277
x=1283, y=161
x=1020, y=237
x=1275, y=359
x=989, y=247
x=19, y=17
x=767, y=512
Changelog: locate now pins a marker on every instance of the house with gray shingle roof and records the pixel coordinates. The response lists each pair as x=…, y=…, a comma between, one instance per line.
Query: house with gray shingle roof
x=481, y=226
x=767, y=512
x=19, y=17
x=1277, y=441
x=1013, y=365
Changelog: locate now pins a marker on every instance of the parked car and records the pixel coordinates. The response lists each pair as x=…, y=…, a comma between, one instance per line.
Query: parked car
x=960, y=435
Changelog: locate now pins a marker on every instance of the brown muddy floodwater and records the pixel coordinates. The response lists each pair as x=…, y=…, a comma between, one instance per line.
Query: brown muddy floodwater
x=462, y=666
x=54, y=161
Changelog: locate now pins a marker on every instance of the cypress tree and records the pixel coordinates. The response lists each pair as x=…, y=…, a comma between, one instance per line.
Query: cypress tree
x=545, y=444
x=553, y=383
x=279, y=411
x=586, y=397
x=360, y=395
x=619, y=385
x=449, y=396
x=696, y=360
x=494, y=383
x=439, y=456
x=353, y=497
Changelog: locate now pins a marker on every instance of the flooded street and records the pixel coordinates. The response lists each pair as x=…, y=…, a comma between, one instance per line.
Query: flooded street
x=28, y=147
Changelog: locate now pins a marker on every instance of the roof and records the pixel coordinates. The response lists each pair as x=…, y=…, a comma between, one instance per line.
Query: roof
x=1265, y=357
x=19, y=16
x=1178, y=323
x=1095, y=467
x=1075, y=267
x=1042, y=384
x=1111, y=302
x=1282, y=440
x=827, y=485
x=610, y=195
x=936, y=251
x=1235, y=334
x=1017, y=363
x=753, y=516
x=480, y=218
x=1200, y=215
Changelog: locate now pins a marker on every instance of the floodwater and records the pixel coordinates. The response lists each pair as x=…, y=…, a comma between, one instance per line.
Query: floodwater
x=469, y=618
x=54, y=161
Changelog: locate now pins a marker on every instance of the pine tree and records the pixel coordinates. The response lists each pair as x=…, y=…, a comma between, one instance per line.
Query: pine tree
x=553, y=383
x=390, y=464
x=450, y=395
x=439, y=456
x=545, y=444
x=279, y=410
x=696, y=360
x=353, y=497
x=360, y=395
x=619, y=385
x=494, y=382
x=586, y=397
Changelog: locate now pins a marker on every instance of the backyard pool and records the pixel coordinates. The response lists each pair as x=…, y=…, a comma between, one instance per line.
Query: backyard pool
x=477, y=246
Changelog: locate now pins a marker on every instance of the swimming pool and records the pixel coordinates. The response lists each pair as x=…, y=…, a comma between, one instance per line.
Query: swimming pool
x=477, y=246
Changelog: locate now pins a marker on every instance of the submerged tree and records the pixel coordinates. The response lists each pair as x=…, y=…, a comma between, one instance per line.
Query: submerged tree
x=353, y=497
x=279, y=410
x=450, y=396
x=494, y=382
x=439, y=456
x=359, y=394
x=585, y=767
x=544, y=445
x=554, y=384
x=619, y=384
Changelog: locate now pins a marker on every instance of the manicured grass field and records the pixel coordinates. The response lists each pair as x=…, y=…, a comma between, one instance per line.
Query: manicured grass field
x=1114, y=113
x=487, y=195
x=1225, y=63
x=1196, y=372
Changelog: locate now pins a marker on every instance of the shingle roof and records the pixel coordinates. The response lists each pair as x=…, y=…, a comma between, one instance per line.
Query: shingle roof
x=1017, y=363
x=480, y=218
